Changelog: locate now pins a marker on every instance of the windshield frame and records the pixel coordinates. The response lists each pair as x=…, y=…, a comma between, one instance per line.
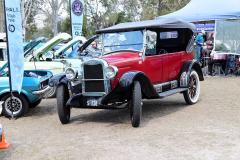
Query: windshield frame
x=132, y=50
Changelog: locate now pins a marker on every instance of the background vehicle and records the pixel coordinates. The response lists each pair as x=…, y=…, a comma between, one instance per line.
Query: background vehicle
x=142, y=61
x=34, y=59
x=80, y=53
x=34, y=88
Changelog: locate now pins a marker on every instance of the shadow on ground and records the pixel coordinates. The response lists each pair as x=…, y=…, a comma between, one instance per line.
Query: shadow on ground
x=46, y=107
x=151, y=109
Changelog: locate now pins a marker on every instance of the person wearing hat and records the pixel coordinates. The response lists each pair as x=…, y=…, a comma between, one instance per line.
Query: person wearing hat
x=199, y=42
x=94, y=46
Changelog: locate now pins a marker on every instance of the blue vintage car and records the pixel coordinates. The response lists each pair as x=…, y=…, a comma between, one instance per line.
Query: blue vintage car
x=34, y=88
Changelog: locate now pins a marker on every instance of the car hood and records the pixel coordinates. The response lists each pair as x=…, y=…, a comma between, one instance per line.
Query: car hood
x=121, y=58
x=70, y=44
x=27, y=49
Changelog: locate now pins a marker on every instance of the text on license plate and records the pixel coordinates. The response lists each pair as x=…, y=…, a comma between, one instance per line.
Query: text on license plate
x=92, y=102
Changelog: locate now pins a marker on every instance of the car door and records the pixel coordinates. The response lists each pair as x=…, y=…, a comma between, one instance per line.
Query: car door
x=153, y=60
x=174, y=65
x=154, y=67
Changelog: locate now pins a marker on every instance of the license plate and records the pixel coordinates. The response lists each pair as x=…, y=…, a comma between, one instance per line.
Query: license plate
x=92, y=102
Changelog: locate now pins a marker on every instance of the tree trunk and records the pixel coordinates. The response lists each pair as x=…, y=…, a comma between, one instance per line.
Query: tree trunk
x=160, y=7
x=55, y=20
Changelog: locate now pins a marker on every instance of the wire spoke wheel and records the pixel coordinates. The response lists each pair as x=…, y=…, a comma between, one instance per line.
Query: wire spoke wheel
x=191, y=95
x=192, y=86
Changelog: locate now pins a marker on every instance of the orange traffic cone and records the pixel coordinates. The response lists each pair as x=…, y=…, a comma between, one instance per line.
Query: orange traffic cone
x=3, y=144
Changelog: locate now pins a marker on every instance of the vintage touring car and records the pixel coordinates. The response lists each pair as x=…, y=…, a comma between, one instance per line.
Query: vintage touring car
x=147, y=59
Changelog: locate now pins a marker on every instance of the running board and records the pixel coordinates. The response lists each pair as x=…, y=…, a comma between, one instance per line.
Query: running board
x=171, y=92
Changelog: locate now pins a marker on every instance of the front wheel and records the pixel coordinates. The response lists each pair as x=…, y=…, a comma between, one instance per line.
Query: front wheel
x=191, y=95
x=19, y=105
x=136, y=109
x=63, y=110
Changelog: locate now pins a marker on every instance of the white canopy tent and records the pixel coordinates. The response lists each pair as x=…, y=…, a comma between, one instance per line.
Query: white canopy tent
x=207, y=10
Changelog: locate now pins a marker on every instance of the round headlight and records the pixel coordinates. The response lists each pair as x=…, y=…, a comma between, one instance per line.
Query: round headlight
x=111, y=72
x=70, y=73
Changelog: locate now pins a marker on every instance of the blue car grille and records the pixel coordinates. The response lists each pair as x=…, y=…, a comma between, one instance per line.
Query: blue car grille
x=43, y=84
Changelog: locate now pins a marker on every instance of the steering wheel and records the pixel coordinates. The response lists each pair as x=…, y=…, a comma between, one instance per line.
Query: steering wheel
x=162, y=51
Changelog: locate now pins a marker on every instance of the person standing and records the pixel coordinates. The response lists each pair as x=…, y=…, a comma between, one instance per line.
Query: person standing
x=199, y=42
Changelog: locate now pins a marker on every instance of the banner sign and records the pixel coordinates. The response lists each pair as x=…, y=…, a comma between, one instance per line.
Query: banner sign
x=76, y=13
x=206, y=27
x=14, y=43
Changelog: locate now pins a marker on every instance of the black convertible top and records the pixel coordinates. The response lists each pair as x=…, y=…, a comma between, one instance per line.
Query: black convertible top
x=157, y=23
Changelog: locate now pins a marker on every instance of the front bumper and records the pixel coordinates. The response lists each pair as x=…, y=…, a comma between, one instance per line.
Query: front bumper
x=43, y=92
x=80, y=101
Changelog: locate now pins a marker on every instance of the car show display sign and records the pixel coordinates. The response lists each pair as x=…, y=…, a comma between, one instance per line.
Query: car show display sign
x=13, y=24
x=76, y=13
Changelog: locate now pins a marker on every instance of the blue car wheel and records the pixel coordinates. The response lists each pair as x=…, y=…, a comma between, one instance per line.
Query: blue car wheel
x=19, y=105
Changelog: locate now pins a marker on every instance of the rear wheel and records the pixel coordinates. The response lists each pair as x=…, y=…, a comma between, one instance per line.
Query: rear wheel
x=191, y=95
x=136, y=109
x=63, y=110
x=19, y=105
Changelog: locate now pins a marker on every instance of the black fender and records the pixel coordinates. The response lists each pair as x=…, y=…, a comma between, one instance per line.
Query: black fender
x=75, y=101
x=124, y=86
x=57, y=79
x=146, y=85
x=186, y=70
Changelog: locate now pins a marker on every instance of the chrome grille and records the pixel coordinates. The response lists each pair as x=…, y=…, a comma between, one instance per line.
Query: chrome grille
x=93, y=72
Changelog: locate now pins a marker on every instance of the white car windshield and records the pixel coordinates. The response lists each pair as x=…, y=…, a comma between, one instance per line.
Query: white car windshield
x=123, y=41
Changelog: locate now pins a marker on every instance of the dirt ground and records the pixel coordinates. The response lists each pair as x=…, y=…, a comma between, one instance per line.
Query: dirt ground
x=170, y=129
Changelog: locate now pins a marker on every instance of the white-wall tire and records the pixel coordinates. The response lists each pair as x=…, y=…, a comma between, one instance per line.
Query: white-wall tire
x=191, y=95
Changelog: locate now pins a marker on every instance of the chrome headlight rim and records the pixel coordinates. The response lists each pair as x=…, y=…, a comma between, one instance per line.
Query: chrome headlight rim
x=71, y=76
x=114, y=70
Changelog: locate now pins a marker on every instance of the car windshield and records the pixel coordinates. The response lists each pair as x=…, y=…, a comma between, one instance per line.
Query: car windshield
x=123, y=40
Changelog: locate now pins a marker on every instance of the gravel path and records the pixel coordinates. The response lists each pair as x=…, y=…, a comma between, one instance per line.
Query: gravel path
x=170, y=129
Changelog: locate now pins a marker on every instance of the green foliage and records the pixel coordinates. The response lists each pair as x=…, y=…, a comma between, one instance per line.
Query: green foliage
x=122, y=18
x=85, y=30
x=67, y=26
x=31, y=27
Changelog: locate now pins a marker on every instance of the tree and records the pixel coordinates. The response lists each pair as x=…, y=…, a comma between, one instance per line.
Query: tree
x=2, y=17
x=51, y=9
x=31, y=27
x=27, y=6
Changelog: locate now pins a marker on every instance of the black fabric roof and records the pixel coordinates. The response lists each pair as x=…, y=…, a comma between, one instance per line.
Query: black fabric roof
x=157, y=23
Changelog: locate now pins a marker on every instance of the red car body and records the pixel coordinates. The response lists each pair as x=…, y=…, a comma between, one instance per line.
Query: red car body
x=159, y=68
